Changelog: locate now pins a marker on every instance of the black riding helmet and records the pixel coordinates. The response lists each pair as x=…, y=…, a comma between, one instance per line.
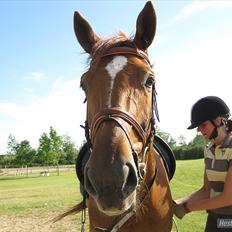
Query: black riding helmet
x=207, y=108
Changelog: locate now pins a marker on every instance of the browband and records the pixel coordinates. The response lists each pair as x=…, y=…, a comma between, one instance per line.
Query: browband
x=127, y=50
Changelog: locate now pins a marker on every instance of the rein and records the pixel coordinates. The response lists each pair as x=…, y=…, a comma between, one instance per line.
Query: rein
x=118, y=115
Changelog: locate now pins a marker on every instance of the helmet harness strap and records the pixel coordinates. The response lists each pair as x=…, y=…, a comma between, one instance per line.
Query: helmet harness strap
x=214, y=133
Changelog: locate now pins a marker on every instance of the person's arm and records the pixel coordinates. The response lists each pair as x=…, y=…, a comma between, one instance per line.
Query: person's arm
x=202, y=193
x=181, y=206
x=222, y=200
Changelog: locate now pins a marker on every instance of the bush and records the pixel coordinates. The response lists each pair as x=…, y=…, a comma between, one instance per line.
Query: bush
x=188, y=153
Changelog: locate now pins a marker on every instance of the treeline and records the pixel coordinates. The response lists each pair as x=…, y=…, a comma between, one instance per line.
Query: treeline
x=55, y=149
x=183, y=150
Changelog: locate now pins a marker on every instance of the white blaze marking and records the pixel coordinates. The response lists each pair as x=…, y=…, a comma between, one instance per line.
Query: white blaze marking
x=113, y=68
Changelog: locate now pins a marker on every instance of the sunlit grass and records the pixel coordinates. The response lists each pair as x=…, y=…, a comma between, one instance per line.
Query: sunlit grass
x=40, y=195
x=189, y=178
x=22, y=195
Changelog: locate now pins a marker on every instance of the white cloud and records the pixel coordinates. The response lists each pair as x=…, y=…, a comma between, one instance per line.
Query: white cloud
x=222, y=4
x=36, y=76
x=62, y=109
x=28, y=90
x=197, y=6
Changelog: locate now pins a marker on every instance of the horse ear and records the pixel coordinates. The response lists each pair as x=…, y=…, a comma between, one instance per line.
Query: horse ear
x=145, y=27
x=84, y=32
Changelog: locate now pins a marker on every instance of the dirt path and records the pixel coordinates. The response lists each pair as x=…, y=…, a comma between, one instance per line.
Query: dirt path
x=33, y=223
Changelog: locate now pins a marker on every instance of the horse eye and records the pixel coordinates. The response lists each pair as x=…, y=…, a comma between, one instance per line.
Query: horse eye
x=150, y=81
x=83, y=86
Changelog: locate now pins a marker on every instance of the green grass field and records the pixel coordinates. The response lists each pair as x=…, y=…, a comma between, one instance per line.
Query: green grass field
x=27, y=203
x=189, y=178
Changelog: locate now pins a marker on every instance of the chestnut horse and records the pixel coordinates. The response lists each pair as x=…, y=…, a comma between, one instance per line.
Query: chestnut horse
x=126, y=182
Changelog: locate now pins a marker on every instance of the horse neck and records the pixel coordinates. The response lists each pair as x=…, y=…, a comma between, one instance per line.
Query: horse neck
x=151, y=167
x=157, y=180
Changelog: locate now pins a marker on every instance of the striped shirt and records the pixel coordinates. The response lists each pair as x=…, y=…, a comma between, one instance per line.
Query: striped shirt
x=218, y=159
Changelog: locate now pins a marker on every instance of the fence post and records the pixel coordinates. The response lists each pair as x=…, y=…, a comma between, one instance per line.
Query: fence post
x=27, y=170
x=58, y=170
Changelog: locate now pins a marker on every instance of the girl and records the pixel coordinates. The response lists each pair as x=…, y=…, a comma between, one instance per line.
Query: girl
x=210, y=115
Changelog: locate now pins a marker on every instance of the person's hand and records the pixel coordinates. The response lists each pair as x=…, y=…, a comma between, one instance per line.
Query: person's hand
x=179, y=210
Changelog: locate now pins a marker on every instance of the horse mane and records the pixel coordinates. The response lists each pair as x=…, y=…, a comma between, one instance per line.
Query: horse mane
x=103, y=45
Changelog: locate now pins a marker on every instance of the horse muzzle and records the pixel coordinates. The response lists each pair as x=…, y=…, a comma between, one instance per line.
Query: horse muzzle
x=113, y=187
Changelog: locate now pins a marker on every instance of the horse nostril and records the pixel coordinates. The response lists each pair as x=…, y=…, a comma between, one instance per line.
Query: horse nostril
x=131, y=180
x=89, y=185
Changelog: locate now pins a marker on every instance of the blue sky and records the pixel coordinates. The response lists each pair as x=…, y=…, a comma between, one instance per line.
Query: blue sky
x=41, y=61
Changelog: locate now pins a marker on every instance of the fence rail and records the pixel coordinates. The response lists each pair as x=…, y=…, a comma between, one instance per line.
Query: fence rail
x=43, y=171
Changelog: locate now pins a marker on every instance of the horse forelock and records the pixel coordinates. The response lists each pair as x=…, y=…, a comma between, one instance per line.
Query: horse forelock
x=103, y=45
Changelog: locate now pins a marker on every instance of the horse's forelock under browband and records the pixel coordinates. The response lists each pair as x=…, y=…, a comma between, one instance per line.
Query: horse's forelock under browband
x=127, y=50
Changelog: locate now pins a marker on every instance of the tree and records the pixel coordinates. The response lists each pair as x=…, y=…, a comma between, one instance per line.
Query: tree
x=25, y=154
x=56, y=141
x=20, y=153
x=12, y=144
x=50, y=148
x=43, y=149
x=167, y=138
x=192, y=150
x=7, y=160
x=182, y=141
x=198, y=141
x=70, y=152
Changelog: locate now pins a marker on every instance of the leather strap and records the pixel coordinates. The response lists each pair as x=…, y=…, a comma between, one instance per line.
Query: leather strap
x=127, y=50
x=114, y=112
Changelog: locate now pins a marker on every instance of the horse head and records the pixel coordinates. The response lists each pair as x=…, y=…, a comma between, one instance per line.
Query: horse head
x=119, y=90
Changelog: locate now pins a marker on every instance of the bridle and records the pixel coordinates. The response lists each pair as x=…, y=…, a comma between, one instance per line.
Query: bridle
x=119, y=116
x=116, y=114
